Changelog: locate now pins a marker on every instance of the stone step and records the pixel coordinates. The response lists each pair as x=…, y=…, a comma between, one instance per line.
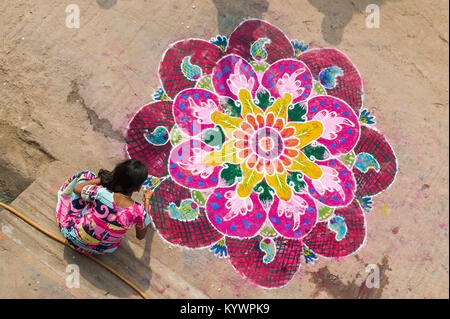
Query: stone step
x=34, y=265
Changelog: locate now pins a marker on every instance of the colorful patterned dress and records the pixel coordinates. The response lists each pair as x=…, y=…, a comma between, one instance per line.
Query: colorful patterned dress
x=92, y=223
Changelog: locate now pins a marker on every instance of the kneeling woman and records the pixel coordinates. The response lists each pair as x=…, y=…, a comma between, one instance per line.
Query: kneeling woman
x=94, y=213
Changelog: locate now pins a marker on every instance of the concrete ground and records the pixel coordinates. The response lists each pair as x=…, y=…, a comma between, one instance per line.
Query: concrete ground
x=66, y=96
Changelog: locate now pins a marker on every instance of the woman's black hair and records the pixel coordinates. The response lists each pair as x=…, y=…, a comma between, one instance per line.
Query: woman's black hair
x=126, y=178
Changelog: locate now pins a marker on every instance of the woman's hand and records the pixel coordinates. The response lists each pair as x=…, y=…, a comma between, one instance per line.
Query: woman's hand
x=148, y=194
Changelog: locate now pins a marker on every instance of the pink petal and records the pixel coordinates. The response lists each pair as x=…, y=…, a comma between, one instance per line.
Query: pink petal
x=343, y=184
x=148, y=118
x=340, y=123
x=288, y=76
x=372, y=182
x=250, y=31
x=190, y=172
x=323, y=241
x=349, y=86
x=247, y=259
x=286, y=224
x=233, y=73
x=193, y=234
x=192, y=109
x=204, y=54
x=223, y=211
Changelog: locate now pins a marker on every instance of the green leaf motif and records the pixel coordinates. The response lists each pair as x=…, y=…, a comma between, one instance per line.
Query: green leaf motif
x=348, y=159
x=175, y=135
x=325, y=213
x=318, y=88
x=205, y=83
x=267, y=230
x=230, y=174
x=198, y=197
x=297, y=112
x=265, y=193
x=315, y=152
x=259, y=66
x=214, y=137
x=232, y=108
x=295, y=180
x=263, y=99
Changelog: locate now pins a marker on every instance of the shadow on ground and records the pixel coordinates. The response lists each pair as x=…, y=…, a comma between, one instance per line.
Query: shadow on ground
x=339, y=13
x=231, y=13
x=107, y=4
x=124, y=261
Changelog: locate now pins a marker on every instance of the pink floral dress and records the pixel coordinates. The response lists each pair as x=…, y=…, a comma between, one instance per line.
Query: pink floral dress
x=92, y=223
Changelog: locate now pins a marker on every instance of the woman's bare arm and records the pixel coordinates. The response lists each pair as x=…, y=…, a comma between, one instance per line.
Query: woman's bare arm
x=79, y=187
x=140, y=233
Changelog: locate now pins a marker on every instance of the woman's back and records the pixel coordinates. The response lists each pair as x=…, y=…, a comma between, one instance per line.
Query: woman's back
x=96, y=221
